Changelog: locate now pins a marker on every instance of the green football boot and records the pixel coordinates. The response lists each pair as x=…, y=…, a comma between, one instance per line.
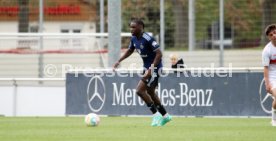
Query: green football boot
x=156, y=120
x=165, y=120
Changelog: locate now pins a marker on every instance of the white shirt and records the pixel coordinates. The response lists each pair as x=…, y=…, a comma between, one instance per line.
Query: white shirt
x=269, y=59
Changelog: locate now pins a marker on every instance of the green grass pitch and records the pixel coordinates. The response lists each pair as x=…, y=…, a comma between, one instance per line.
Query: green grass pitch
x=135, y=129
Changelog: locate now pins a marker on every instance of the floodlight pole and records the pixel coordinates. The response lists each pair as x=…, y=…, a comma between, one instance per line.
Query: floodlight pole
x=102, y=16
x=162, y=26
x=114, y=31
x=102, y=62
x=191, y=19
x=221, y=32
x=40, y=57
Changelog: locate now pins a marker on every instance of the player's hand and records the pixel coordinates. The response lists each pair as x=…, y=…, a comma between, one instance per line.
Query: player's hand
x=147, y=74
x=268, y=88
x=116, y=65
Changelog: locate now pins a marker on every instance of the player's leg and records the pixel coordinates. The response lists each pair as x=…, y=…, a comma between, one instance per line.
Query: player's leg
x=141, y=91
x=156, y=100
x=161, y=109
x=152, y=84
x=274, y=107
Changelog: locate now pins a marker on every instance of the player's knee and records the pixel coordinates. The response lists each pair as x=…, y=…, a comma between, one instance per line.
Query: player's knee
x=273, y=94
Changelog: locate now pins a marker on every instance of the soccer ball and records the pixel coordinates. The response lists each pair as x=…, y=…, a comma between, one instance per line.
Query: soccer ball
x=92, y=119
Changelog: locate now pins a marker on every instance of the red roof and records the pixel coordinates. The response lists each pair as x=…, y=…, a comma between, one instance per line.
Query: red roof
x=62, y=10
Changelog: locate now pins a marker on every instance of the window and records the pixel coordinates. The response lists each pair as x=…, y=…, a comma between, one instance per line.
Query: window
x=76, y=31
x=72, y=43
x=33, y=28
x=64, y=31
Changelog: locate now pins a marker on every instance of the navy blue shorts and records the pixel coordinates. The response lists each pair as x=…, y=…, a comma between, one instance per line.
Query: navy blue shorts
x=153, y=80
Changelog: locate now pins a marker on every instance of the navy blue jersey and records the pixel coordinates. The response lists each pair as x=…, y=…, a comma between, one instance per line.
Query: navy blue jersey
x=146, y=47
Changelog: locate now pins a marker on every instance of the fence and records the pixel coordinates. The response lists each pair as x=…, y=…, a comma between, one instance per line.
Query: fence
x=244, y=22
x=22, y=56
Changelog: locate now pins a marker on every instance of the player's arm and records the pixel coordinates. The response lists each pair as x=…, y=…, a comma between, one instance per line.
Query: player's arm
x=156, y=48
x=157, y=58
x=125, y=55
x=266, y=62
x=156, y=61
x=266, y=79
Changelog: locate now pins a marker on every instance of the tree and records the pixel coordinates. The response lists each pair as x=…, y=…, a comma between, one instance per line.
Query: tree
x=267, y=11
x=244, y=17
x=23, y=25
x=181, y=22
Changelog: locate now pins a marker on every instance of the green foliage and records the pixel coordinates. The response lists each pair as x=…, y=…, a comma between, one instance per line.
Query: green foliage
x=244, y=16
x=149, y=11
x=169, y=24
x=207, y=12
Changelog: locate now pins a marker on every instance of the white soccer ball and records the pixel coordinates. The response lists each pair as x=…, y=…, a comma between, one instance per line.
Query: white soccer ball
x=92, y=119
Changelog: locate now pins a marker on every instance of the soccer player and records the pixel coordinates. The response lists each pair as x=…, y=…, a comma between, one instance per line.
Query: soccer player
x=269, y=63
x=151, y=55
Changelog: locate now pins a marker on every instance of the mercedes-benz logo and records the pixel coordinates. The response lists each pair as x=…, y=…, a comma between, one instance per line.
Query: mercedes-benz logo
x=265, y=98
x=96, y=93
